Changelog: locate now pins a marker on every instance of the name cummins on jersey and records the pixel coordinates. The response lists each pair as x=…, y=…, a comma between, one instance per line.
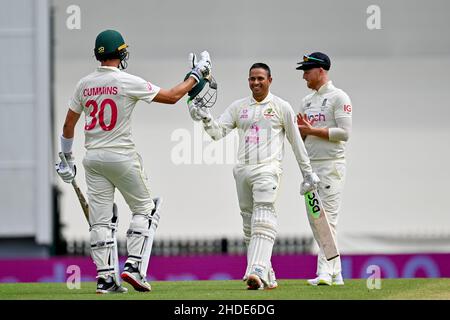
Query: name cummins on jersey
x=108, y=96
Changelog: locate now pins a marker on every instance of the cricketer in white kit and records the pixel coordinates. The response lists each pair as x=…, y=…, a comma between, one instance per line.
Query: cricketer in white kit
x=107, y=97
x=263, y=120
x=325, y=123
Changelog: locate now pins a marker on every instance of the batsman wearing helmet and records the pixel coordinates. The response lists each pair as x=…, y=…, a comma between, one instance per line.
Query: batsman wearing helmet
x=263, y=120
x=107, y=97
x=325, y=123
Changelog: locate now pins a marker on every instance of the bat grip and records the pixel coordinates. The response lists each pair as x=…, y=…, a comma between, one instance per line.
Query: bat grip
x=62, y=156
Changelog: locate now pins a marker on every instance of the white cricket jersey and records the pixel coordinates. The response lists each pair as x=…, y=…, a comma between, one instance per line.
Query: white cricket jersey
x=325, y=106
x=262, y=127
x=108, y=96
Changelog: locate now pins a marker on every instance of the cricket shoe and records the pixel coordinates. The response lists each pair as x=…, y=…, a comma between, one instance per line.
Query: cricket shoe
x=254, y=282
x=321, y=280
x=338, y=280
x=131, y=275
x=108, y=285
x=272, y=283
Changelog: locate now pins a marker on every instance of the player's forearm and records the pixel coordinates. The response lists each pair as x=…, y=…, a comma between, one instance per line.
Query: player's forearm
x=68, y=131
x=174, y=94
x=214, y=130
x=338, y=134
x=342, y=131
x=318, y=132
x=181, y=89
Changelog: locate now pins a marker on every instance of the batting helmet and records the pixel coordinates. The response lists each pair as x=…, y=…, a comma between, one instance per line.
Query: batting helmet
x=205, y=92
x=109, y=44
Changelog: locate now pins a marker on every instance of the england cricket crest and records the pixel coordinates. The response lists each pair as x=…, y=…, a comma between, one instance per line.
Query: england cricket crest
x=320, y=226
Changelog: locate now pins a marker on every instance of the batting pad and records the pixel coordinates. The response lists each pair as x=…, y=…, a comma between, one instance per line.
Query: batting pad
x=140, y=237
x=103, y=250
x=264, y=231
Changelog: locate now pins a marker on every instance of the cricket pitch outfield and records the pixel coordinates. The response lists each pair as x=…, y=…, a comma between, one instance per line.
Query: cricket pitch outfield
x=404, y=289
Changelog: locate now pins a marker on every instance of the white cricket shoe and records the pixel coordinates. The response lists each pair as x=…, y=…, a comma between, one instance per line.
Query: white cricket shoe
x=131, y=275
x=321, y=280
x=272, y=283
x=338, y=280
x=254, y=282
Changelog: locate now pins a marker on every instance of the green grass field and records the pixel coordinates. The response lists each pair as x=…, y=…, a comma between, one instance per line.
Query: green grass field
x=236, y=290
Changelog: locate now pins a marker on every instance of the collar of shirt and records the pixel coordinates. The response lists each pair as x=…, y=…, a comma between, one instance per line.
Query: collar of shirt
x=326, y=87
x=267, y=99
x=107, y=68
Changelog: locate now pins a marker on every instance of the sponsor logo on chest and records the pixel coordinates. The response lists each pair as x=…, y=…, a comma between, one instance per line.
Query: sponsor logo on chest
x=269, y=113
x=244, y=114
x=317, y=117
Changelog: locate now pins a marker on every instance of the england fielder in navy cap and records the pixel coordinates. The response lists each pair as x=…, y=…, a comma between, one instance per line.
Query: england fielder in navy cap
x=325, y=122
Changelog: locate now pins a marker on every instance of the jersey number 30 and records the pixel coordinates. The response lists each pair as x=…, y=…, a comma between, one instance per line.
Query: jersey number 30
x=101, y=115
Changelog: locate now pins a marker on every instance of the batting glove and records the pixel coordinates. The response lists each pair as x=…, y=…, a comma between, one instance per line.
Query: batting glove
x=193, y=106
x=202, y=68
x=310, y=183
x=204, y=113
x=67, y=173
x=192, y=60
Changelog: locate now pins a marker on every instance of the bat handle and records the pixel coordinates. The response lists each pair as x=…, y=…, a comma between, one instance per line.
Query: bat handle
x=62, y=156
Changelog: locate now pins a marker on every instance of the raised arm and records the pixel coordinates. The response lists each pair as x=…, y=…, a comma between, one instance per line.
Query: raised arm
x=200, y=70
x=173, y=95
x=216, y=129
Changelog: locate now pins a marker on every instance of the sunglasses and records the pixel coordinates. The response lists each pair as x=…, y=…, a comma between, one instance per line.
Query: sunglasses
x=308, y=58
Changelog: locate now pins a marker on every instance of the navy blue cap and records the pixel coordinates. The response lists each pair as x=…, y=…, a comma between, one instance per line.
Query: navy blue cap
x=314, y=60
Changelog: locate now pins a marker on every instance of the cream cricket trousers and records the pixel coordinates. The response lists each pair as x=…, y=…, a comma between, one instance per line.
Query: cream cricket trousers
x=257, y=188
x=332, y=178
x=256, y=183
x=106, y=171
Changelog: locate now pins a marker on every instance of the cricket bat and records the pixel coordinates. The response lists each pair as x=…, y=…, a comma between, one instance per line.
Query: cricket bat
x=319, y=223
x=80, y=195
x=82, y=199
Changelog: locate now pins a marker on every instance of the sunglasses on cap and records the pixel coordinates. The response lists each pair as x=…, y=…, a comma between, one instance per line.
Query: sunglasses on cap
x=308, y=58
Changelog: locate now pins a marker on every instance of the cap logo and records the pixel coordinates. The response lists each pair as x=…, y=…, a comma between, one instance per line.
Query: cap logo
x=101, y=50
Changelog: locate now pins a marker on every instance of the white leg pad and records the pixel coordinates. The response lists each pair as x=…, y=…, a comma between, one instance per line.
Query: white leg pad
x=247, y=228
x=264, y=231
x=140, y=237
x=104, y=250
